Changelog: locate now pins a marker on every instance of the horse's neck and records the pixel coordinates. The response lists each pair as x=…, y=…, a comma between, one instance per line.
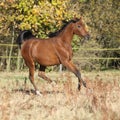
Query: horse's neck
x=67, y=34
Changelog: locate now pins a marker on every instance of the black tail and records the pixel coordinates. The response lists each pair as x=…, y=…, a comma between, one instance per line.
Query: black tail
x=24, y=35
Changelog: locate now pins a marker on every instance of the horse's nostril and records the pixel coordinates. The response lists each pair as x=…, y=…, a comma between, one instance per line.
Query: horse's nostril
x=87, y=37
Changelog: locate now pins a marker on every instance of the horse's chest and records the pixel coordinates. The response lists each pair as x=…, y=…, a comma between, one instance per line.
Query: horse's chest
x=66, y=52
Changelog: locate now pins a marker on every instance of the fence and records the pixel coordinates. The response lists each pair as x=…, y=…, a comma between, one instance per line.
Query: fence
x=88, y=49
x=9, y=56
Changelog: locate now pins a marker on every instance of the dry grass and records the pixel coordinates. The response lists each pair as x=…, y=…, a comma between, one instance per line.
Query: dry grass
x=100, y=101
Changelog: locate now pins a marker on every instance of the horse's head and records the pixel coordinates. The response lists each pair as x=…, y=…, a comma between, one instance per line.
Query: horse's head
x=79, y=28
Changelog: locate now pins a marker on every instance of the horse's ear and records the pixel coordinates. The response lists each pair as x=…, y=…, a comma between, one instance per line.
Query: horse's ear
x=75, y=18
x=64, y=21
x=81, y=18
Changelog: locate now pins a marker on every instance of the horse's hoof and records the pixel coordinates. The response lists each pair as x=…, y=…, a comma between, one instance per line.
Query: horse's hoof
x=38, y=93
x=79, y=87
x=53, y=83
x=84, y=84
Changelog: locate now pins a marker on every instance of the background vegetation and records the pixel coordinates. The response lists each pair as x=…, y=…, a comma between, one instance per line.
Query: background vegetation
x=45, y=16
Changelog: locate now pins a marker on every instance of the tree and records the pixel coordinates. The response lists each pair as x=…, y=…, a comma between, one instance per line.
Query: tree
x=41, y=16
x=44, y=16
x=102, y=17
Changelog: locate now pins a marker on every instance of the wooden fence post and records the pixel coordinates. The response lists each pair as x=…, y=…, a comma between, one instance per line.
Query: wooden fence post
x=11, y=49
x=18, y=60
x=60, y=68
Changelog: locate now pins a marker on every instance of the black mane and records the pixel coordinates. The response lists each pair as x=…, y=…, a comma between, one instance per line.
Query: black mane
x=53, y=34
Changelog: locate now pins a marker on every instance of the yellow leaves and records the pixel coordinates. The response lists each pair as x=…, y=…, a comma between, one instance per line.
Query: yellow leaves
x=20, y=17
x=10, y=1
x=57, y=2
x=35, y=10
x=6, y=2
x=2, y=19
x=43, y=14
x=24, y=25
x=2, y=4
x=59, y=13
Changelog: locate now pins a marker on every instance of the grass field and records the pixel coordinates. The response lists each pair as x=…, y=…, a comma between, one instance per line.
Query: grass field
x=61, y=101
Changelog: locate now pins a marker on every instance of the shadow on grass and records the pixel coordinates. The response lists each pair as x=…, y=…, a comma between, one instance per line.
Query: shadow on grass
x=31, y=91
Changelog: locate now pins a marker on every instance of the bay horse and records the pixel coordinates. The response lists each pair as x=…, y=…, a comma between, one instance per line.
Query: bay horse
x=54, y=50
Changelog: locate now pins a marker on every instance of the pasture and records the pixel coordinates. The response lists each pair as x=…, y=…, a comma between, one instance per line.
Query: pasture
x=61, y=101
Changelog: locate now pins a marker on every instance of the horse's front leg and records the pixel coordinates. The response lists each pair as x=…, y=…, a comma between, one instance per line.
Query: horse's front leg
x=41, y=74
x=73, y=68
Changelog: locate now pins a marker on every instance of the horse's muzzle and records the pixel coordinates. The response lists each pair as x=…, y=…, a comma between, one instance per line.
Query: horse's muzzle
x=87, y=37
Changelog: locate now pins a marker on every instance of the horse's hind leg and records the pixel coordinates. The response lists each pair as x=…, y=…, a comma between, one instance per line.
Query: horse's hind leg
x=41, y=74
x=31, y=67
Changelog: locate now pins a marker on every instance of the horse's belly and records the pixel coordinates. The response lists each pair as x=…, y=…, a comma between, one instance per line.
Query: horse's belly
x=46, y=59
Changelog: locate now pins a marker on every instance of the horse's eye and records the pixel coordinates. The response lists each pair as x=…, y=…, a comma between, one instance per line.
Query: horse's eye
x=78, y=26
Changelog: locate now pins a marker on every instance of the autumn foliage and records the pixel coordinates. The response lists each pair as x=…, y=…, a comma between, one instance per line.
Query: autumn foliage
x=45, y=16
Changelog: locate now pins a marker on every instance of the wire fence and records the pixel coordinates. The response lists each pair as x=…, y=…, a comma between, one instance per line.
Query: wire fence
x=10, y=57
x=84, y=49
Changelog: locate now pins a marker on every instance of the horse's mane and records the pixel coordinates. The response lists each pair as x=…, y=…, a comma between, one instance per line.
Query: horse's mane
x=65, y=23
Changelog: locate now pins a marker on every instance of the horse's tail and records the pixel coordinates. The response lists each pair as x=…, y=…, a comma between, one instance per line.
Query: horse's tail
x=24, y=35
